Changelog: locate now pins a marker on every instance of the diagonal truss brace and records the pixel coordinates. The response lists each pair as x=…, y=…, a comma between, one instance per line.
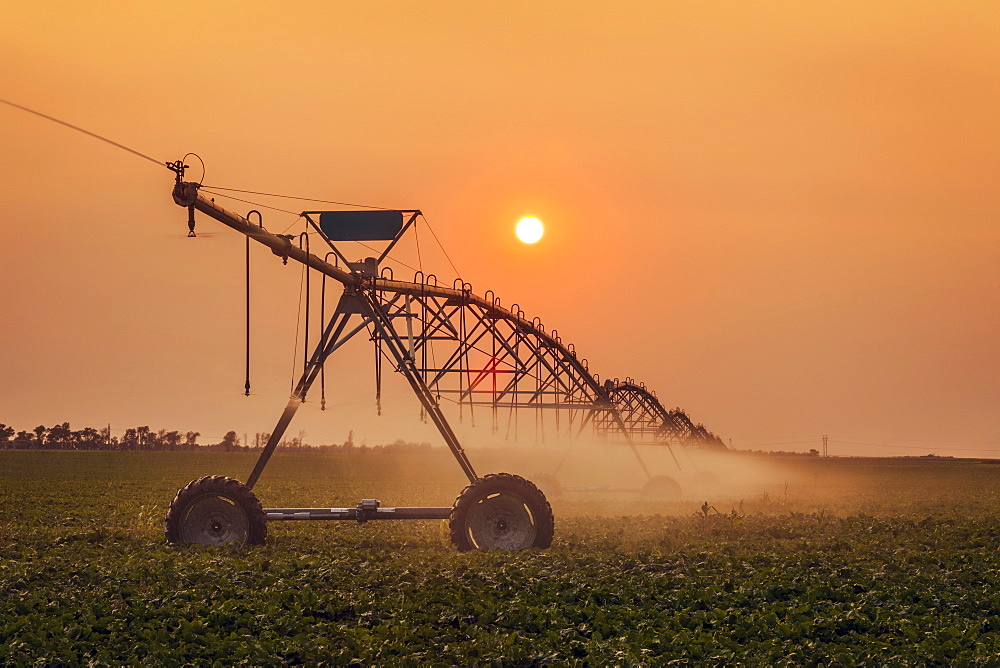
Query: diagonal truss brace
x=489, y=356
x=372, y=314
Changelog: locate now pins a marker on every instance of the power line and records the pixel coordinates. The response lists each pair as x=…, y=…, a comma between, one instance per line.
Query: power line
x=86, y=132
x=915, y=447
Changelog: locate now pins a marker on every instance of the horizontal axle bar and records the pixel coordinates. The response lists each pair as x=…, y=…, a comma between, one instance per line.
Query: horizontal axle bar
x=357, y=514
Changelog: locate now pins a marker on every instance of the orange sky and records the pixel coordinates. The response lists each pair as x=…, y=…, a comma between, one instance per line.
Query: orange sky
x=780, y=216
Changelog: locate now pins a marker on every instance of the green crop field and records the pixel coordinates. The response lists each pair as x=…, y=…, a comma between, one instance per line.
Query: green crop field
x=813, y=561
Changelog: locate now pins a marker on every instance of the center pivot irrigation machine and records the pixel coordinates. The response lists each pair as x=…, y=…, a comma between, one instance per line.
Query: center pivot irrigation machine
x=449, y=344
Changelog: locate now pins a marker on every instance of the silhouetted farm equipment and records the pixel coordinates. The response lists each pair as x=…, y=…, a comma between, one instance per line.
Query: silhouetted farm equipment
x=452, y=346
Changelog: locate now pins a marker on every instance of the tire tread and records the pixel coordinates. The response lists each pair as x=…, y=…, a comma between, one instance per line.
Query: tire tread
x=497, y=482
x=222, y=486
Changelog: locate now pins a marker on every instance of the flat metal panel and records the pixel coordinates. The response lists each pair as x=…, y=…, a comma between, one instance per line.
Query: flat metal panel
x=361, y=225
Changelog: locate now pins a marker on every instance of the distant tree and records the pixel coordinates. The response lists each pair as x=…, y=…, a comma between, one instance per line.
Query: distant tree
x=230, y=441
x=142, y=438
x=813, y=452
x=88, y=438
x=6, y=433
x=169, y=440
x=39, y=436
x=130, y=440
x=60, y=436
x=143, y=434
x=400, y=446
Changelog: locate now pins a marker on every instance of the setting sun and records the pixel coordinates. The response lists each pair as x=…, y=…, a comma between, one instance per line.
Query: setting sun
x=529, y=229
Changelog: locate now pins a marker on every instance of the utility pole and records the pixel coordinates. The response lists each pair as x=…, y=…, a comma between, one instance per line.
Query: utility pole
x=826, y=452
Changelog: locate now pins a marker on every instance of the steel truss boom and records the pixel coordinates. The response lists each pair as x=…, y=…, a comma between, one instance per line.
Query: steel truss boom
x=454, y=346
x=649, y=420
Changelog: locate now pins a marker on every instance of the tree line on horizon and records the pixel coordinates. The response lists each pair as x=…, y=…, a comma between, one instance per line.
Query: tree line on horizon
x=144, y=439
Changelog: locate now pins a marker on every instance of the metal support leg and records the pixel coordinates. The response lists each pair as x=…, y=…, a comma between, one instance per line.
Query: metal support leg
x=328, y=342
x=406, y=365
x=620, y=422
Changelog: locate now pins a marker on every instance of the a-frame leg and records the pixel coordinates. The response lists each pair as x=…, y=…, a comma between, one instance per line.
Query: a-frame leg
x=333, y=337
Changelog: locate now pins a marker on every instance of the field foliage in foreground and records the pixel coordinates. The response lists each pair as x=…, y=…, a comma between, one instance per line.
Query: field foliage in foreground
x=824, y=561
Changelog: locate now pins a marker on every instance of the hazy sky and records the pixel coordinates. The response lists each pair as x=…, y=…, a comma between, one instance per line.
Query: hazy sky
x=781, y=216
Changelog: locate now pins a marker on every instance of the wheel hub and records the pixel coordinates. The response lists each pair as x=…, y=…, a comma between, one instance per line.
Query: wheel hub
x=214, y=520
x=501, y=522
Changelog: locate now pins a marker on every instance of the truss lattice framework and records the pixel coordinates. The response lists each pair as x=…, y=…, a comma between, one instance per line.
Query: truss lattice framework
x=496, y=366
x=454, y=346
x=648, y=420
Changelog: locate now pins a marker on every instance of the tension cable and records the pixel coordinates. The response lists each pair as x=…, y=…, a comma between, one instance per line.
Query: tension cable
x=304, y=199
x=86, y=132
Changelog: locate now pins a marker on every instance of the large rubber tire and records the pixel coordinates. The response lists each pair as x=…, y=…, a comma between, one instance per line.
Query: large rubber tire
x=216, y=510
x=661, y=488
x=501, y=511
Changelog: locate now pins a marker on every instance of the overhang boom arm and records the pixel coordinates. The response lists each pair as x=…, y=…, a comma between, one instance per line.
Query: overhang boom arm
x=188, y=195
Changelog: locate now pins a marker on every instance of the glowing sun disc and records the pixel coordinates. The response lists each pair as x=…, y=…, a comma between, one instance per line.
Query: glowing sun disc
x=529, y=229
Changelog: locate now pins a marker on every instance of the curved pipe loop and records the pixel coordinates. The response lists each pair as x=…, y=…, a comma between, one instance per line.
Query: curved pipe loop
x=260, y=218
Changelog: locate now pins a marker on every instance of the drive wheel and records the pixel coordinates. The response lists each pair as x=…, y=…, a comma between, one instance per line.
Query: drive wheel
x=216, y=510
x=501, y=511
x=661, y=488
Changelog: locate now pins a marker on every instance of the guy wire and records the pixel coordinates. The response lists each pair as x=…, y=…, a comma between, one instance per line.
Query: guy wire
x=86, y=132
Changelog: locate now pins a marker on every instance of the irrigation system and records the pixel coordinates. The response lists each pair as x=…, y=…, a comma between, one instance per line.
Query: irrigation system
x=452, y=346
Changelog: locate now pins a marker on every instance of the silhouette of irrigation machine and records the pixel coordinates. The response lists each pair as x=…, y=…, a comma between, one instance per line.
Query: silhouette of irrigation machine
x=448, y=343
